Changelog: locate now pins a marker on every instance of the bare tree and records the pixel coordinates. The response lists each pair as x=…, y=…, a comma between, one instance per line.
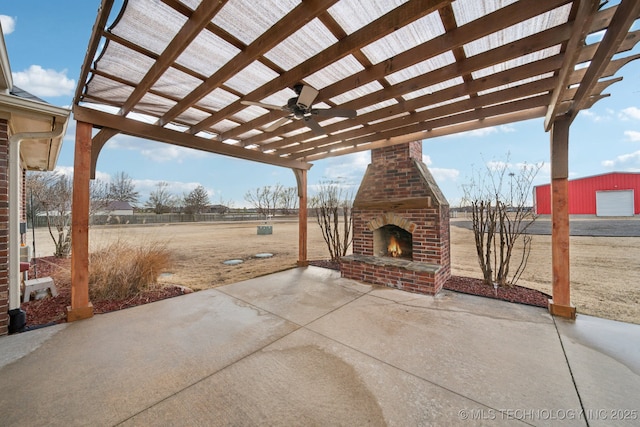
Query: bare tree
x=52, y=195
x=498, y=199
x=264, y=199
x=99, y=197
x=122, y=189
x=288, y=199
x=161, y=200
x=333, y=205
x=196, y=201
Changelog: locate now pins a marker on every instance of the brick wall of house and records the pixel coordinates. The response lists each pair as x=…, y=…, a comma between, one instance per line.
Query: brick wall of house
x=397, y=177
x=4, y=226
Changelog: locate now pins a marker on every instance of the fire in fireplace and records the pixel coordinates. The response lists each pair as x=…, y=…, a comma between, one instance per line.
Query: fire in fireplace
x=392, y=241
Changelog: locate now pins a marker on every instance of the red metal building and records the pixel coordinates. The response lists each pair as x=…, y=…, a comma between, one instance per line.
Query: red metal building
x=611, y=194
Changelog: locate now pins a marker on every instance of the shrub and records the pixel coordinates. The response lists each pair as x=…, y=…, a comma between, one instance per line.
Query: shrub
x=121, y=270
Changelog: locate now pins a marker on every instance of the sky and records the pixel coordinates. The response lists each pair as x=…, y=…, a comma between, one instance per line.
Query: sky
x=47, y=41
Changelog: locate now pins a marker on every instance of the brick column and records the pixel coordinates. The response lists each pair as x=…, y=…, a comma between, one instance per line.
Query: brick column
x=4, y=227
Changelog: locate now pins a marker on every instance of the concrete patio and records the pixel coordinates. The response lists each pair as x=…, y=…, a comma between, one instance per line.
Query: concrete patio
x=305, y=347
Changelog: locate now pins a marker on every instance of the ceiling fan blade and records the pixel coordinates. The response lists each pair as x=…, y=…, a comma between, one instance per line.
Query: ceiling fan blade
x=307, y=96
x=260, y=104
x=335, y=112
x=275, y=125
x=314, y=126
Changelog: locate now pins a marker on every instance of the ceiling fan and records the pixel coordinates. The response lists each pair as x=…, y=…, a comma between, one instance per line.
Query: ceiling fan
x=299, y=108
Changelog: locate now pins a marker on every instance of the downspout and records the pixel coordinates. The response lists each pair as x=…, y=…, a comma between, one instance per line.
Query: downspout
x=14, y=206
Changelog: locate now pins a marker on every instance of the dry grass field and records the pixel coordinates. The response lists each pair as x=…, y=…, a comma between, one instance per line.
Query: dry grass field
x=605, y=271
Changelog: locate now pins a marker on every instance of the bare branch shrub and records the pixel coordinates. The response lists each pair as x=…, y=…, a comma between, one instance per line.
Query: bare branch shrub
x=333, y=206
x=501, y=213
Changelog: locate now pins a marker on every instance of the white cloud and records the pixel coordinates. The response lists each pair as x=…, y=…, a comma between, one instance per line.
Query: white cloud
x=630, y=113
x=440, y=174
x=41, y=82
x=624, y=160
x=443, y=174
x=598, y=118
x=64, y=170
x=348, y=168
x=632, y=135
x=155, y=151
x=8, y=24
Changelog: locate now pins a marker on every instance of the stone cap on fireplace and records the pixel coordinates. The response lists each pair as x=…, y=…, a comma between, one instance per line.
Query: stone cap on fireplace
x=405, y=264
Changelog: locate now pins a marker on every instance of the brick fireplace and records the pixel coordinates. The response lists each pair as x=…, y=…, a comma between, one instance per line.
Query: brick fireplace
x=400, y=224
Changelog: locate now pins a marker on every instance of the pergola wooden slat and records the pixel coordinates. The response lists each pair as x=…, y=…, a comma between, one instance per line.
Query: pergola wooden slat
x=412, y=70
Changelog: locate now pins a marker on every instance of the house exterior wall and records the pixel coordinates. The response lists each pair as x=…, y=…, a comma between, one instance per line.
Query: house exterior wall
x=4, y=227
x=582, y=192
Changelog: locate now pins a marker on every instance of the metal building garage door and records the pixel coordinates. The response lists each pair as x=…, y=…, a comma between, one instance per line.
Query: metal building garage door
x=614, y=203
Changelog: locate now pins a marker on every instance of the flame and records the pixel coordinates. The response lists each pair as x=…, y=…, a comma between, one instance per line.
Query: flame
x=393, y=248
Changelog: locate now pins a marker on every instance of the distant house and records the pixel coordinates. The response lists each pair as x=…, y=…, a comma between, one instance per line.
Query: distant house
x=219, y=209
x=611, y=194
x=119, y=208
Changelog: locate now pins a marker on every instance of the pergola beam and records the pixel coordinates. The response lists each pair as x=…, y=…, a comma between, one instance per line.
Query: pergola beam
x=626, y=13
x=426, y=134
x=161, y=134
x=189, y=31
x=294, y=20
x=382, y=26
x=582, y=25
x=481, y=27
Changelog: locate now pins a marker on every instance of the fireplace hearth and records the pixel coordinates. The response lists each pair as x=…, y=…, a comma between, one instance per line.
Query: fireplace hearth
x=400, y=224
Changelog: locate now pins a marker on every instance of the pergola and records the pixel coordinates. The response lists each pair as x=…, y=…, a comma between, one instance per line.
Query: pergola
x=182, y=71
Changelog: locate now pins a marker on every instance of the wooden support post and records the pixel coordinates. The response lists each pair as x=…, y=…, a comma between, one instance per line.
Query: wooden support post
x=80, y=307
x=301, y=178
x=560, y=305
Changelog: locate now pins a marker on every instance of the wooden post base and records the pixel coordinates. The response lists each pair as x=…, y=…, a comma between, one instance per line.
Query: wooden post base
x=79, y=313
x=303, y=263
x=566, y=311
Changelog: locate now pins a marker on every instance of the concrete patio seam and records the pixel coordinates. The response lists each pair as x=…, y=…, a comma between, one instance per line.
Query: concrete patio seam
x=573, y=380
x=446, y=310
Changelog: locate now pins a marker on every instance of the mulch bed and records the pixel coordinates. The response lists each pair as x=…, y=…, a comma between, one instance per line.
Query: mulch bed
x=471, y=286
x=52, y=310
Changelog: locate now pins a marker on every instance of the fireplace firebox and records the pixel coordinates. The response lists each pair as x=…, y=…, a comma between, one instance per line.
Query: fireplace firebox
x=392, y=241
x=400, y=224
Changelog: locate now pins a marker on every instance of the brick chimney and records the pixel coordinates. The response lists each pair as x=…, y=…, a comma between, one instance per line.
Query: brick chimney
x=399, y=201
